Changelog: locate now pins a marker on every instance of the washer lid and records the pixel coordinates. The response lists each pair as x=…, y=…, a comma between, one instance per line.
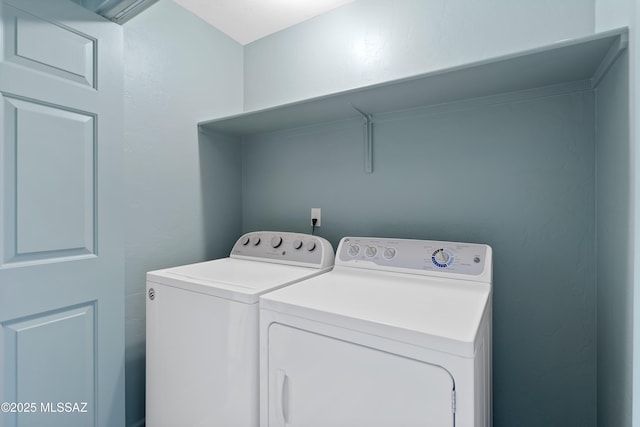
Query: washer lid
x=236, y=279
x=441, y=314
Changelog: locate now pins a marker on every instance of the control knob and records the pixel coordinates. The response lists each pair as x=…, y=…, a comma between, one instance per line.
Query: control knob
x=245, y=240
x=371, y=251
x=353, y=250
x=310, y=246
x=297, y=244
x=389, y=253
x=276, y=241
x=255, y=241
x=441, y=256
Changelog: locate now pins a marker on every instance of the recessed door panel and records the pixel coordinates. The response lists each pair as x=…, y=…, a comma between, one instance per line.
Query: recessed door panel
x=49, y=181
x=319, y=381
x=48, y=46
x=53, y=380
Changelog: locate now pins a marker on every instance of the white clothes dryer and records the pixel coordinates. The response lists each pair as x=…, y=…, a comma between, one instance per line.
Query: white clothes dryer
x=397, y=334
x=202, y=329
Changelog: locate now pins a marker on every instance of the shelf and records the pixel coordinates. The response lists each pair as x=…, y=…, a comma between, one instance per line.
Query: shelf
x=575, y=60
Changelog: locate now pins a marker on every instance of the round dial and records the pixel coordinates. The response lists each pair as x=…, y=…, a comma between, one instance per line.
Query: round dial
x=255, y=240
x=371, y=251
x=442, y=258
x=276, y=241
x=389, y=253
x=310, y=246
x=297, y=244
x=353, y=250
x=245, y=240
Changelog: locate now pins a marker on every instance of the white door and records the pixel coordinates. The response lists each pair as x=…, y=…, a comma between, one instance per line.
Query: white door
x=61, y=249
x=318, y=381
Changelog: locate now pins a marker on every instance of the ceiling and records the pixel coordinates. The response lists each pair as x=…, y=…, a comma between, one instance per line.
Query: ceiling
x=248, y=20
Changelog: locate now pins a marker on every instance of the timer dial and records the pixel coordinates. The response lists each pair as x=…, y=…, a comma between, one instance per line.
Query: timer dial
x=442, y=257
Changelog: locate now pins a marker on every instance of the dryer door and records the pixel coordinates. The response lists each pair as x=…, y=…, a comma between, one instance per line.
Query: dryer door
x=319, y=381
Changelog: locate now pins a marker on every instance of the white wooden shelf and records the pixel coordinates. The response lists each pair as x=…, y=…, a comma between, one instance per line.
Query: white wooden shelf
x=573, y=60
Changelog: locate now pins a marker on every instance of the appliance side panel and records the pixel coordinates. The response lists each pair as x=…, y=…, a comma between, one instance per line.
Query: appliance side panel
x=202, y=359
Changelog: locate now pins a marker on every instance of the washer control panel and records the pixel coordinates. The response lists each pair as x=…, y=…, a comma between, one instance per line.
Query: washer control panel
x=415, y=256
x=285, y=248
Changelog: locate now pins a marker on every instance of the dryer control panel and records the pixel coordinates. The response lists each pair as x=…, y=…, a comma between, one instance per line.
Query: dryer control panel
x=448, y=259
x=285, y=248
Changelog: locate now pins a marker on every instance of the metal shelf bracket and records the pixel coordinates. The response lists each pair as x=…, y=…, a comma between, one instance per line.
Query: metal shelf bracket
x=368, y=139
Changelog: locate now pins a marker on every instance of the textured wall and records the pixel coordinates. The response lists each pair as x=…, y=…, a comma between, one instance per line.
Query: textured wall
x=182, y=191
x=370, y=41
x=180, y=71
x=615, y=249
x=618, y=288
x=516, y=174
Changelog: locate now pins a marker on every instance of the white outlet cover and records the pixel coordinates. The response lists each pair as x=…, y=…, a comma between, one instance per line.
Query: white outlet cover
x=316, y=213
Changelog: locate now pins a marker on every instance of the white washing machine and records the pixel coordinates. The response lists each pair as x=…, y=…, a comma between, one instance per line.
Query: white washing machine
x=202, y=329
x=397, y=334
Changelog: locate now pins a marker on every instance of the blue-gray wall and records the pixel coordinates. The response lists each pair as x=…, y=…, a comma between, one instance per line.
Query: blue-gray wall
x=518, y=174
x=182, y=192
x=615, y=248
x=183, y=189
x=618, y=207
x=370, y=41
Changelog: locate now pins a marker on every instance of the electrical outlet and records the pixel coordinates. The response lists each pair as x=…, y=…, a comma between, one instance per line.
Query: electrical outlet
x=315, y=213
